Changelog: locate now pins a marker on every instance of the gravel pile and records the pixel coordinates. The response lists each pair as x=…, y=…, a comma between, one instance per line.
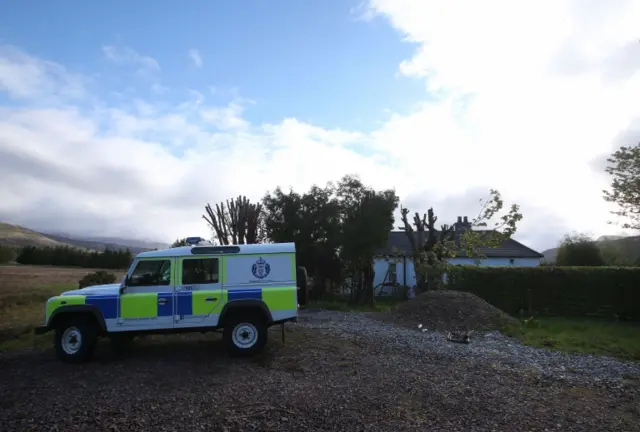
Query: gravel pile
x=336, y=371
x=449, y=311
x=489, y=348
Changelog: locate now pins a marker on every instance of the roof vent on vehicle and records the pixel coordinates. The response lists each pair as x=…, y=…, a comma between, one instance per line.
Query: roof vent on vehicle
x=210, y=250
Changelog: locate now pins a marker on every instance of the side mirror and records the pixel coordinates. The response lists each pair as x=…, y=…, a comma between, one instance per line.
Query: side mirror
x=125, y=282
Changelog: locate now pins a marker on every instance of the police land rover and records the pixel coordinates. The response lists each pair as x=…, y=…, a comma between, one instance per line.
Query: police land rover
x=241, y=289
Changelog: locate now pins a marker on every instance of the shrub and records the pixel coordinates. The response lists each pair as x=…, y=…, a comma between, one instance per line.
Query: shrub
x=608, y=292
x=579, y=250
x=100, y=277
x=7, y=254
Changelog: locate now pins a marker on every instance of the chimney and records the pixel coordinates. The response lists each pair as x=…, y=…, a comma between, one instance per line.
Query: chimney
x=459, y=220
x=466, y=221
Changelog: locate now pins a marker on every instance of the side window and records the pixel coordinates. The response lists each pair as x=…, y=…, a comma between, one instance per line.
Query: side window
x=151, y=273
x=200, y=271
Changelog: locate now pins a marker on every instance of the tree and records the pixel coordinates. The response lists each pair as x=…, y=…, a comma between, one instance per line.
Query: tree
x=240, y=222
x=336, y=228
x=179, y=242
x=431, y=247
x=366, y=218
x=615, y=254
x=312, y=222
x=579, y=250
x=624, y=167
x=429, y=251
x=74, y=257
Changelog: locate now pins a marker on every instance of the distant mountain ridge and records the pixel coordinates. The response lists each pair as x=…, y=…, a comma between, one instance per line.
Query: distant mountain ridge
x=629, y=245
x=15, y=235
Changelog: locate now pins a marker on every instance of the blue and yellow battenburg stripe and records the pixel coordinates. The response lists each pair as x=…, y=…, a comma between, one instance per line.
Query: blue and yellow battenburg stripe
x=147, y=305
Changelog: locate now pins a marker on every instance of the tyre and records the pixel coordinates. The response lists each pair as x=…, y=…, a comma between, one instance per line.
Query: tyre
x=75, y=340
x=245, y=335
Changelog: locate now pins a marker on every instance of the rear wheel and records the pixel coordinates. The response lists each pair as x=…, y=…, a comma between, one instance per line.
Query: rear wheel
x=75, y=339
x=245, y=334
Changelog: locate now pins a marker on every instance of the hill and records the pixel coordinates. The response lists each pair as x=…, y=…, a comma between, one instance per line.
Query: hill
x=629, y=246
x=98, y=245
x=15, y=235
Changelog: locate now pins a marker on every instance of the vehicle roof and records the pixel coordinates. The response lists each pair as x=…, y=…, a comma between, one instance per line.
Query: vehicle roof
x=262, y=248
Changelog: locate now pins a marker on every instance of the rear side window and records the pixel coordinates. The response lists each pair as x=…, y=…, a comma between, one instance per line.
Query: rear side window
x=200, y=271
x=151, y=273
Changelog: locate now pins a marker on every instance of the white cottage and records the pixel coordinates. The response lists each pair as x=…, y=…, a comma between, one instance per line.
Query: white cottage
x=399, y=269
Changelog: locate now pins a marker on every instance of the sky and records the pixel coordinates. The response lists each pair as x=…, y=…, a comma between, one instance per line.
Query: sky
x=126, y=118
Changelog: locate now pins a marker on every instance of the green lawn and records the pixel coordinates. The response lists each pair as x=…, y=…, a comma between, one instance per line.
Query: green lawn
x=589, y=336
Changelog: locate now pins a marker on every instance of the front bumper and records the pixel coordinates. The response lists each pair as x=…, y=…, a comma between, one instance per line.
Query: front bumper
x=42, y=330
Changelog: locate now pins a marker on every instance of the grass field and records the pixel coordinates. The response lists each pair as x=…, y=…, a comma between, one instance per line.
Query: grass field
x=587, y=336
x=23, y=293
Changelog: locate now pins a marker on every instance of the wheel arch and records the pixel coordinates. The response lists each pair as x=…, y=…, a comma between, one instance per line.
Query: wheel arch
x=253, y=305
x=63, y=313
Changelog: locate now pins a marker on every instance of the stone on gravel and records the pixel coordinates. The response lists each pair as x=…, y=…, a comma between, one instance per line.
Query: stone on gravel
x=490, y=348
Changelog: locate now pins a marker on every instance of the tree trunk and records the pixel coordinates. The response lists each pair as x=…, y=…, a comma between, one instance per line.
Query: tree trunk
x=369, y=294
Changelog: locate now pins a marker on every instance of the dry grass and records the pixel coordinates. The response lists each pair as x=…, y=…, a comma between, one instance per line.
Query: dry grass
x=23, y=293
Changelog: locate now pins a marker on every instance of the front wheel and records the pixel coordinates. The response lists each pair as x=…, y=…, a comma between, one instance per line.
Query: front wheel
x=245, y=335
x=75, y=340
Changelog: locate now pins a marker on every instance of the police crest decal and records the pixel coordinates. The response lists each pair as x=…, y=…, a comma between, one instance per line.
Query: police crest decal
x=261, y=269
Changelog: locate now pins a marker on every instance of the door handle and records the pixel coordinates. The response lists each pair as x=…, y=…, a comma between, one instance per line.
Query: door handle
x=211, y=299
x=162, y=301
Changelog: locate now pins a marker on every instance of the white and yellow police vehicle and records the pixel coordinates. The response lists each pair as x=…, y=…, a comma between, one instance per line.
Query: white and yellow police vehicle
x=241, y=289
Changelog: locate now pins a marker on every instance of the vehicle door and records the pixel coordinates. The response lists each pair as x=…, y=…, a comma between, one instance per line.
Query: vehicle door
x=148, y=298
x=198, y=291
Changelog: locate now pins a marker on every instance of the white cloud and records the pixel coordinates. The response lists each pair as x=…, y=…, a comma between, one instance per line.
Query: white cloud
x=26, y=77
x=195, y=57
x=529, y=94
x=524, y=98
x=127, y=55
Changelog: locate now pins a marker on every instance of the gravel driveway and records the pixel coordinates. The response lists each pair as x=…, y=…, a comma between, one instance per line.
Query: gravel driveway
x=336, y=371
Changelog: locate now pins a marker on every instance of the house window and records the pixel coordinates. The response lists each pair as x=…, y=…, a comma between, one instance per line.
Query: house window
x=511, y=261
x=393, y=274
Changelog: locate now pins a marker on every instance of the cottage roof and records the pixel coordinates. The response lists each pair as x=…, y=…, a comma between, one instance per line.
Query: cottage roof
x=509, y=248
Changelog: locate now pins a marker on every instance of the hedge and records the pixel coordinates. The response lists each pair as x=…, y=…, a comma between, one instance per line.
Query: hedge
x=607, y=292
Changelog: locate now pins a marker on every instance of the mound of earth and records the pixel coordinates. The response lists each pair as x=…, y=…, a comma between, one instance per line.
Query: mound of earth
x=449, y=310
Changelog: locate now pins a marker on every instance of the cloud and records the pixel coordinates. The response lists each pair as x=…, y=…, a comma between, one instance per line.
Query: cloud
x=128, y=56
x=525, y=96
x=149, y=168
x=195, y=57
x=521, y=98
x=24, y=77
